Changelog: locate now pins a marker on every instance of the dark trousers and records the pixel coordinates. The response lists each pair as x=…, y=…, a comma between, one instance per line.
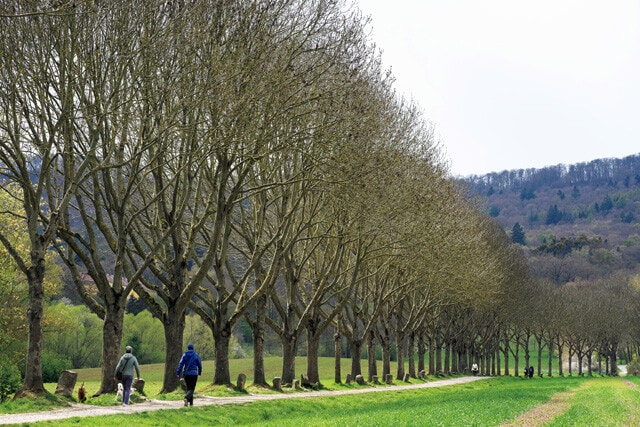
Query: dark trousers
x=126, y=385
x=191, y=381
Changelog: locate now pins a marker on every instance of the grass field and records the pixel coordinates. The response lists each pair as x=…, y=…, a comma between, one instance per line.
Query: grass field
x=497, y=401
x=557, y=401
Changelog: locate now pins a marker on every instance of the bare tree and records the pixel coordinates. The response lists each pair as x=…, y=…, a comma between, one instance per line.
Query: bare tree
x=95, y=228
x=37, y=148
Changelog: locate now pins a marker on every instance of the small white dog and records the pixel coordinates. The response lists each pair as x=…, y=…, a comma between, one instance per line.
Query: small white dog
x=119, y=392
x=121, y=389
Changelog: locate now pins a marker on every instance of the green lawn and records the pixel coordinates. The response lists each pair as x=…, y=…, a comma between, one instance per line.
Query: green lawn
x=596, y=401
x=591, y=401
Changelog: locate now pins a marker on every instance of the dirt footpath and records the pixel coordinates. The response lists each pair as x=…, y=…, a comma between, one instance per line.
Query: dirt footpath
x=80, y=410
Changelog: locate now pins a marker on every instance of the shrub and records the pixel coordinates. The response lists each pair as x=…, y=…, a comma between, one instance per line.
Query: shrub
x=633, y=367
x=10, y=379
x=52, y=365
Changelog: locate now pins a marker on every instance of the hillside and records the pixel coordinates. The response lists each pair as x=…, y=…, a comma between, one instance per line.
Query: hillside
x=599, y=199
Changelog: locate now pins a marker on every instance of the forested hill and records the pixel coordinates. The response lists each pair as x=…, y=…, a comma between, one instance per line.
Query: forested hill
x=599, y=199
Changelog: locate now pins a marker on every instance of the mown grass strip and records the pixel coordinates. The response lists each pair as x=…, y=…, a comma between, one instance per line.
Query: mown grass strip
x=483, y=403
x=605, y=402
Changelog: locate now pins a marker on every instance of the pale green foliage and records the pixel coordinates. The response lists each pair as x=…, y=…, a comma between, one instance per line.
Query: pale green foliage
x=633, y=367
x=9, y=379
x=75, y=333
x=198, y=333
x=145, y=334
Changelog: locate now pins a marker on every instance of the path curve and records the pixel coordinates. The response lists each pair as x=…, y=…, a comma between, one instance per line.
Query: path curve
x=80, y=410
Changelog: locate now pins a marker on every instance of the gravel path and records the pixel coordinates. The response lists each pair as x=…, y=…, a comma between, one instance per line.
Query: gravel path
x=79, y=410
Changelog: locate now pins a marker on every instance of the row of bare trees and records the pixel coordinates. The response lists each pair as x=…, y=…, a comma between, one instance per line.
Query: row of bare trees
x=226, y=157
x=222, y=156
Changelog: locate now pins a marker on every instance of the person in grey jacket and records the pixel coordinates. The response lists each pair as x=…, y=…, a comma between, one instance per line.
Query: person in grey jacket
x=127, y=364
x=190, y=367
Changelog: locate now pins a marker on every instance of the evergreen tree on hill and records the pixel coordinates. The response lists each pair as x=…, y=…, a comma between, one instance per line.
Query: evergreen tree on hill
x=517, y=234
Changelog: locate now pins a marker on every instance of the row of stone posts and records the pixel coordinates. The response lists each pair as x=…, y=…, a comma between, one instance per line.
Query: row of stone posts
x=67, y=382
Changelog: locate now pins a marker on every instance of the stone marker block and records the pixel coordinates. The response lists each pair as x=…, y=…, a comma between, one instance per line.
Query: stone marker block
x=66, y=383
x=242, y=381
x=138, y=384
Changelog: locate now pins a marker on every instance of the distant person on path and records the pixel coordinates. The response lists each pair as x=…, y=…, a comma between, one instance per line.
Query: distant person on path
x=530, y=371
x=190, y=367
x=474, y=369
x=127, y=364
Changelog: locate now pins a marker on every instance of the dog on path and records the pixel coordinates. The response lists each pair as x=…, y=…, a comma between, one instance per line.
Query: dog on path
x=121, y=390
x=82, y=394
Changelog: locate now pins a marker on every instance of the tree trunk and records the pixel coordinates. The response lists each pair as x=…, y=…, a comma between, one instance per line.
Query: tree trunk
x=438, y=355
x=313, y=343
x=516, y=358
x=454, y=357
x=258, y=343
x=174, y=323
x=371, y=356
x=421, y=352
x=33, y=382
x=411, y=344
x=356, y=356
x=432, y=356
x=550, y=359
x=580, y=357
x=570, y=360
x=560, y=347
x=112, y=329
x=614, y=360
x=505, y=353
x=337, y=351
x=540, y=357
x=447, y=365
x=400, y=353
x=386, y=355
x=289, y=344
x=221, y=338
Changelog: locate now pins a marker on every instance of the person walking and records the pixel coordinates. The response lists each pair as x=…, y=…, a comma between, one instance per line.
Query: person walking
x=190, y=367
x=474, y=369
x=127, y=364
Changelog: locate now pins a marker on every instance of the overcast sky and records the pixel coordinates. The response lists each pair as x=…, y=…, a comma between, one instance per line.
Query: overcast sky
x=512, y=84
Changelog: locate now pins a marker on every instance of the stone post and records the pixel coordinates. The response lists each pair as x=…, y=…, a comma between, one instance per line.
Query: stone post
x=242, y=380
x=66, y=383
x=138, y=384
x=304, y=380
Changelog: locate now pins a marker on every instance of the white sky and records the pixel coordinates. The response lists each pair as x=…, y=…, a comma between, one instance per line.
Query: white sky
x=512, y=84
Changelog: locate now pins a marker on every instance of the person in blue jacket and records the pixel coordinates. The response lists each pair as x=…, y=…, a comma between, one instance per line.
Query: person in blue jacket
x=190, y=367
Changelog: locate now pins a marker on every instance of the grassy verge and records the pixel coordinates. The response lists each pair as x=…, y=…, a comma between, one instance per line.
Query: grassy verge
x=605, y=402
x=487, y=403
x=591, y=401
x=153, y=376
